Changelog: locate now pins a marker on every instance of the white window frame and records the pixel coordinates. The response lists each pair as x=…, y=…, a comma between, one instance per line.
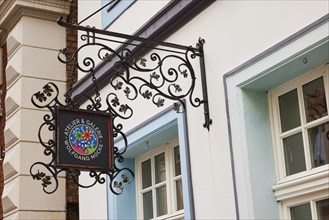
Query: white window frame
x=168, y=149
x=277, y=135
x=312, y=199
x=309, y=185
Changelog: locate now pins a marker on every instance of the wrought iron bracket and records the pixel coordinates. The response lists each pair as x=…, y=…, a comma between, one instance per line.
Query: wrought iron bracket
x=162, y=81
x=169, y=72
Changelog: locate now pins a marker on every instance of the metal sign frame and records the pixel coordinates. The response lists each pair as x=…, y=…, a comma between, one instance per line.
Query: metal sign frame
x=84, y=139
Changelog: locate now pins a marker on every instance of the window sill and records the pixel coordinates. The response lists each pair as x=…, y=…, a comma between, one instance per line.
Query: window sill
x=301, y=186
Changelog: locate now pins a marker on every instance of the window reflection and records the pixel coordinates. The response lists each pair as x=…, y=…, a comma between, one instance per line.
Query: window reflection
x=179, y=195
x=160, y=168
x=315, y=100
x=289, y=110
x=146, y=174
x=177, y=161
x=301, y=212
x=147, y=205
x=319, y=144
x=322, y=208
x=294, y=154
x=161, y=198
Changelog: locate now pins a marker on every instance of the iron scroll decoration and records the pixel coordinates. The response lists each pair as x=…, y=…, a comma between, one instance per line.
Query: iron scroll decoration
x=156, y=82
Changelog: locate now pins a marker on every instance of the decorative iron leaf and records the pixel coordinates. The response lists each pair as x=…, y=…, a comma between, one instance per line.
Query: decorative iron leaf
x=46, y=181
x=177, y=107
x=143, y=62
x=160, y=102
x=47, y=90
x=39, y=175
x=107, y=57
x=125, y=178
x=40, y=96
x=42, y=176
x=115, y=102
x=177, y=88
x=120, y=70
x=147, y=94
x=155, y=76
x=118, y=85
x=184, y=73
x=118, y=185
x=123, y=108
x=127, y=91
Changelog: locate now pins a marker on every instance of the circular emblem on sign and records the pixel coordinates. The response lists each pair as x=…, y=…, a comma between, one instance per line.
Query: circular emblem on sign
x=83, y=139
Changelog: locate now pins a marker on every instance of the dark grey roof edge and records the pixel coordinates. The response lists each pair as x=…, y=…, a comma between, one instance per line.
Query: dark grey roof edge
x=161, y=26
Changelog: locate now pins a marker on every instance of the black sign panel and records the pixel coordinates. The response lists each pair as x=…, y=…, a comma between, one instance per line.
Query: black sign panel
x=84, y=139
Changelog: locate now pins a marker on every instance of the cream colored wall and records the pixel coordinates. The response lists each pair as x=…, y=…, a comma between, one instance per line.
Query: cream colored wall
x=86, y=8
x=33, y=40
x=234, y=31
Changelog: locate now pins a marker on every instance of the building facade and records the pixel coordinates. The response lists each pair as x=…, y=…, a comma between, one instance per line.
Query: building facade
x=263, y=155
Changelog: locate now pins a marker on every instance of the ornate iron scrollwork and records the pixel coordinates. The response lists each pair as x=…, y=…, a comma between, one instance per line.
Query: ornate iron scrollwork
x=48, y=173
x=167, y=74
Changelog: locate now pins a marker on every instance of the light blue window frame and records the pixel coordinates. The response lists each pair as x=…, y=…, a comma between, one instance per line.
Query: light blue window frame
x=247, y=106
x=160, y=129
x=117, y=8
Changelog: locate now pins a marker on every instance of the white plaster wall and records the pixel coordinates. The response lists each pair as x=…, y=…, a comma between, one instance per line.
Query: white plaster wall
x=234, y=31
x=85, y=9
x=239, y=31
x=130, y=21
x=92, y=201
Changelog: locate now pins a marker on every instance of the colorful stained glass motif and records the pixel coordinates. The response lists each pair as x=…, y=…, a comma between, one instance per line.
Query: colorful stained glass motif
x=83, y=139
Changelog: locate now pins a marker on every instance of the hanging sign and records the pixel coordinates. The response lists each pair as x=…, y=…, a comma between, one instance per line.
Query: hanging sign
x=84, y=139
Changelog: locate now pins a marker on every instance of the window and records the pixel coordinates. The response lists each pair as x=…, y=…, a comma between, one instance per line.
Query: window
x=301, y=124
x=304, y=211
x=159, y=183
x=114, y=10
x=158, y=155
x=301, y=142
x=315, y=206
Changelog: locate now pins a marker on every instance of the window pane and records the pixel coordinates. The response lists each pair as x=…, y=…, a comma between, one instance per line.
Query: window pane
x=301, y=212
x=160, y=168
x=319, y=144
x=161, y=200
x=179, y=195
x=146, y=174
x=315, y=100
x=294, y=154
x=322, y=208
x=147, y=205
x=177, y=161
x=289, y=111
